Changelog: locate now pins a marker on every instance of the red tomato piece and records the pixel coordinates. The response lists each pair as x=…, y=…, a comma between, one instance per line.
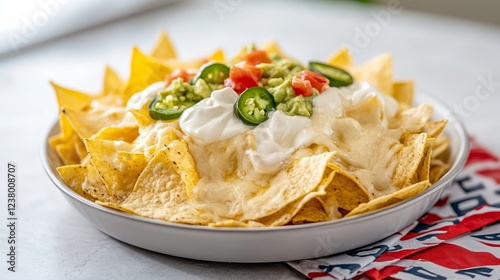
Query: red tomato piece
x=318, y=81
x=256, y=57
x=177, y=73
x=243, y=76
x=301, y=87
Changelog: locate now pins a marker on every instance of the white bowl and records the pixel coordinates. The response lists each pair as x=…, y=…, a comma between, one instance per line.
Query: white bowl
x=285, y=243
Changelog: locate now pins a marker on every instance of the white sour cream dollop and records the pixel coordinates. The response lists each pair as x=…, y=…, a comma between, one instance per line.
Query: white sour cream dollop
x=213, y=119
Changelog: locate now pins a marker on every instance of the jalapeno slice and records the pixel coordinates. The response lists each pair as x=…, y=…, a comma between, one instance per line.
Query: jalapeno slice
x=253, y=105
x=337, y=77
x=212, y=73
x=159, y=111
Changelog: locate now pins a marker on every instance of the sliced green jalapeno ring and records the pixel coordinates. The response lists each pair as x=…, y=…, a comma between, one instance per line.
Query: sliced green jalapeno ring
x=212, y=73
x=337, y=77
x=159, y=111
x=254, y=105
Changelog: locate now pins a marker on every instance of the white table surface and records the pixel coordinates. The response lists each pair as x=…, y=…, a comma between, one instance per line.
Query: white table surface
x=446, y=57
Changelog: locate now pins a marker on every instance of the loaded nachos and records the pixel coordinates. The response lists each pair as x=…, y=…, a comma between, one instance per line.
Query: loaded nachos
x=257, y=140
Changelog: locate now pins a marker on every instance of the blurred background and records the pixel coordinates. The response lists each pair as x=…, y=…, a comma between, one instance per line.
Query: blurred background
x=28, y=22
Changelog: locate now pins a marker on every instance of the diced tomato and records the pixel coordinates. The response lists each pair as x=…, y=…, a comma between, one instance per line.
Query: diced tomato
x=301, y=87
x=243, y=76
x=318, y=81
x=256, y=57
x=177, y=73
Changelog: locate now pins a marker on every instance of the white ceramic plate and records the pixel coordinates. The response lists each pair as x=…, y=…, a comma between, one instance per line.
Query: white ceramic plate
x=267, y=244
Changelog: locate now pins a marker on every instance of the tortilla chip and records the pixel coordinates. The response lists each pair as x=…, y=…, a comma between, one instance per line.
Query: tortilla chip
x=378, y=72
x=94, y=185
x=160, y=193
x=184, y=164
x=311, y=212
x=342, y=59
x=413, y=119
x=112, y=84
x=423, y=169
x=74, y=176
x=86, y=124
x=124, y=133
x=345, y=193
x=71, y=99
x=403, y=92
x=80, y=148
x=409, y=158
x=217, y=56
x=155, y=137
x=390, y=199
x=163, y=48
x=285, y=214
x=437, y=170
x=67, y=151
x=297, y=185
x=118, y=168
x=435, y=128
x=64, y=135
x=370, y=111
x=142, y=116
x=144, y=71
x=440, y=147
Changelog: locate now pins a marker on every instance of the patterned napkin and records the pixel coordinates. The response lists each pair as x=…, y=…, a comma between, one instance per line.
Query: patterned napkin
x=459, y=238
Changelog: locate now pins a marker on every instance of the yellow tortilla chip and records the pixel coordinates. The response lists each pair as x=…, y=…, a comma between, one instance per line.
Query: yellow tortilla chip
x=390, y=199
x=435, y=128
x=142, y=116
x=409, y=158
x=423, y=169
x=67, y=151
x=414, y=119
x=80, y=148
x=144, y=71
x=74, y=176
x=345, y=193
x=123, y=133
x=440, y=147
x=112, y=84
x=366, y=112
x=303, y=178
x=118, y=168
x=86, y=124
x=378, y=72
x=403, y=92
x=155, y=137
x=164, y=48
x=217, y=56
x=285, y=214
x=437, y=170
x=342, y=59
x=72, y=99
x=160, y=193
x=56, y=140
x=311, y=212
x=94, y=185
x=184, y=164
